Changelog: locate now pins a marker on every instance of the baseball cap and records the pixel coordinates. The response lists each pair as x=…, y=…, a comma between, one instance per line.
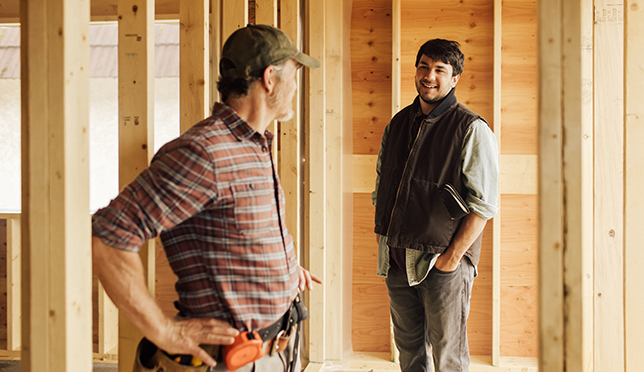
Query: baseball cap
x=255, y=47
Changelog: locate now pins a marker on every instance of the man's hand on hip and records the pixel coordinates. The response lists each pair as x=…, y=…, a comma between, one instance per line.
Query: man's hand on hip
x=184, y=335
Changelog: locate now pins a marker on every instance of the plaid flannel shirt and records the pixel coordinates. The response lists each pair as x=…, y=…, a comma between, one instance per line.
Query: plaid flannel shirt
x=211, y=196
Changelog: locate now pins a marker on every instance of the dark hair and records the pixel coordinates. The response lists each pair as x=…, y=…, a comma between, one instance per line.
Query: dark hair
x=234, y=86
x=446, y=51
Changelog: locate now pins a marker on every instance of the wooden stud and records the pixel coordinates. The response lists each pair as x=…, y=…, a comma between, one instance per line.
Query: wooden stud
x=13, y=281
x=290, y=154
x=338, y=148
x=396, y=89
x=234, y=15
x=572, y=161
x=25, y=187
x=587, y=190
x=561, y=186
x=633, y=178
x=266, y=13
x=609, y=186
x=496, y=221
x=136, y=134
x=315, y=242
x=396, y=61
x=194, y=58
x=57, y=325
x=108, y=323
x=215, y=49
x=551, y=208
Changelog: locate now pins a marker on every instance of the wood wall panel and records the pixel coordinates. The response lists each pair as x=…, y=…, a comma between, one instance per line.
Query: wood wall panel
x=471, y=23
x=519, y=77
x=371, y=73
x=519, y=252
x=370, y=308
x=164, y=291
x=3, y=284
x=519, y=321
x=519, y=269
x=479, y=323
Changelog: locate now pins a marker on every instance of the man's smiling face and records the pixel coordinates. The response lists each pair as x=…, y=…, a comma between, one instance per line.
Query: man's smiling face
x=434, y=81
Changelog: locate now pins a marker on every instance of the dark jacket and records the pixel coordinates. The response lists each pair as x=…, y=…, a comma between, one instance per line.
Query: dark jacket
x=409, y=209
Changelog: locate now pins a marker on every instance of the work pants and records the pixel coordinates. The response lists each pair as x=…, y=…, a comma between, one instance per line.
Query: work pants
x=430, y=319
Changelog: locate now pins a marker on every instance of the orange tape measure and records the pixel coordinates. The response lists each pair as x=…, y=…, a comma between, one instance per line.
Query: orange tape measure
x=247, y=348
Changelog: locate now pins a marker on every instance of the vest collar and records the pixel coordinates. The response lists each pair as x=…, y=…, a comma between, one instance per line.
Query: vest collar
x=443, y=105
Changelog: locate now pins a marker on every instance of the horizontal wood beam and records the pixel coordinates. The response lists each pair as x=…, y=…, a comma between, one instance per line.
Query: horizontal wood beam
x=100, y=10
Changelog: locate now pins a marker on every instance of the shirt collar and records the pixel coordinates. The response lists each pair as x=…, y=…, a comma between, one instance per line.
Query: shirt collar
x=238, y=126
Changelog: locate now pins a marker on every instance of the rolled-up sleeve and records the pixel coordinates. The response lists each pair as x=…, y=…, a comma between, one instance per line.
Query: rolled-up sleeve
x=480, y=160
x=179, y=183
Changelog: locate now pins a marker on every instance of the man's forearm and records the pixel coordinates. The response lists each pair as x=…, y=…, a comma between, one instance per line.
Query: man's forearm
x=470, y=229
x=121, y=273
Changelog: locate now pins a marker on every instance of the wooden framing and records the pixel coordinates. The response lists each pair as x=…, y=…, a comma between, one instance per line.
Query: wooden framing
x=13, y=271
x=266, y=13
x=609, y=186
x=136, y=135
x=560, y=172
x=315, y=243
x=194, y=63
x=234, y=15
x=496, y=222
x=290, y=154
x=56, y=322
x=215, y=48
x=633, y=178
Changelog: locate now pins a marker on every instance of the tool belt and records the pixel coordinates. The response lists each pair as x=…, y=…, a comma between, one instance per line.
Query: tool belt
x=275, y=338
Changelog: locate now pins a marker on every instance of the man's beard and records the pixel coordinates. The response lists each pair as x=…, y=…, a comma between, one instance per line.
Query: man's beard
x=277, y=98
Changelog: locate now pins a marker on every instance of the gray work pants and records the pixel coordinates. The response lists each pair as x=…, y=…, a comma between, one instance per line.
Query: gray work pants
x=432, y=316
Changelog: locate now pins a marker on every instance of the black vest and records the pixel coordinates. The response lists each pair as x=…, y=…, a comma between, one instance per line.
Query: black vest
x=409, y=210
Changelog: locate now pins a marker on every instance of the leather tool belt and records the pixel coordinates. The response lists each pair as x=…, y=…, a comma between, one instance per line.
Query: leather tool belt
x=149, y=358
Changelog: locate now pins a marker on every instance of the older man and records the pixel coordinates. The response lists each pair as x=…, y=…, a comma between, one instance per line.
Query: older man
x=215, y=199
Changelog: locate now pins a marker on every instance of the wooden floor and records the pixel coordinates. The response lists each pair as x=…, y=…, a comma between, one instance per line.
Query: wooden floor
x=380, y=362
x=361, y=361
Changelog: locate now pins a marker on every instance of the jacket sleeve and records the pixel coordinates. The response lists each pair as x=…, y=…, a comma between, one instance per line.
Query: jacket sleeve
x=480, y=161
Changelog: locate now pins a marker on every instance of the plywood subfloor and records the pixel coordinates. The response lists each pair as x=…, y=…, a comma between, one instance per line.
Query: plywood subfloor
x=380, y=362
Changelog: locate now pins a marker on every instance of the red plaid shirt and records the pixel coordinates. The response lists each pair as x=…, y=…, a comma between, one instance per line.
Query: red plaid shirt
x=211, y=195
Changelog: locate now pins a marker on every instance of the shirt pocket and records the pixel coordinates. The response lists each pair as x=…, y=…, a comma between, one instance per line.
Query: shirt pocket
x=254, y=205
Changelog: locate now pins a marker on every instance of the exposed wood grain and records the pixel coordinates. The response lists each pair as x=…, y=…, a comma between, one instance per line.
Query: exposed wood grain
x=634, y=178
x=519, y=255
x=3, y=284
x=194, y=59
x=371, y=73
x=315, y=179
x=519, y=321
x=291, y=135
x=165, y=279
x=519, y=77
x=136, y=130
x=609, y=186
x=58, y=265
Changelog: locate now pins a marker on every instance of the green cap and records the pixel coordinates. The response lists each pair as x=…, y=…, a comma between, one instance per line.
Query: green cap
x=253, y=48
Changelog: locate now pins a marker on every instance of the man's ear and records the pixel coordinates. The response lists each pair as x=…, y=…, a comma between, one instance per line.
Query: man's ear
x=455, y=80
x=268, y=79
